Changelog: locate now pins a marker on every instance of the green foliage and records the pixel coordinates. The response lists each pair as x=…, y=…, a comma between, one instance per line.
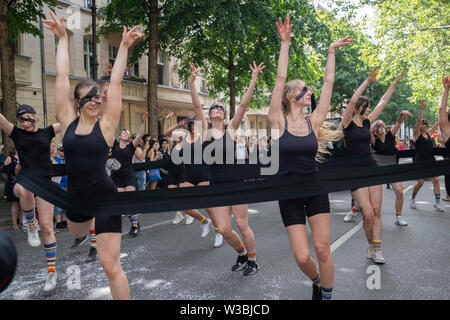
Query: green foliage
x=23, y=15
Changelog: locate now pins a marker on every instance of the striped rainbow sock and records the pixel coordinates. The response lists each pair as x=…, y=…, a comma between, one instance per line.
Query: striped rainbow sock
x=31, y=217
x=50, y=254
x=241, y=251
x=327, y=294
x=134, y=220
x=376, y=244
x=252, y=256
x=93, y=239
x=437, y=196
x=204, y=220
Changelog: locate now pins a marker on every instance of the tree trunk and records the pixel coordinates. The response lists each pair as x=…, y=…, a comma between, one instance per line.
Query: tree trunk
x=8, y=79
x=231, y=83
x=152, y=86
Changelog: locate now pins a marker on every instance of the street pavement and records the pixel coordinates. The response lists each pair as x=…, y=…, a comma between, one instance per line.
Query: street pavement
x=173, y=262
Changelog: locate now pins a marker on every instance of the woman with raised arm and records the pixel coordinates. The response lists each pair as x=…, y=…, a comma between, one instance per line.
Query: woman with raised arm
x=124, y=178
x=84, y=134
x=356, y=126
x=299, y=139
x=221, y=138
x=384, y=144
x=33, y=147
x=188, y=173
x=424, y=153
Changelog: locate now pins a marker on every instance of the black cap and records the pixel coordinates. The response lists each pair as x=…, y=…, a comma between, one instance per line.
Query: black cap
x=24, y=108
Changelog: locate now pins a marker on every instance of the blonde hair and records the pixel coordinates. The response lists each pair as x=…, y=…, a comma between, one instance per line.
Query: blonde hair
x=328, y=132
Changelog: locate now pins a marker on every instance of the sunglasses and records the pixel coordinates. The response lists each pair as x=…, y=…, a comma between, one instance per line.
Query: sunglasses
x=217, y=106
x=424, y=123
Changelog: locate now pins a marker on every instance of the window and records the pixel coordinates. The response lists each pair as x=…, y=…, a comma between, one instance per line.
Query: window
x=203, y=82
x=112, y=54
x=88, y=56
x=136, y=69
x=56, y=44
x=161, y=69
x=87, y=3
x=252, y=124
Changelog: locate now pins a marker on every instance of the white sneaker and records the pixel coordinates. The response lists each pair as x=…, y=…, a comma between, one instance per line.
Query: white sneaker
x=218, y=242
x=189, y=219
x=370, y=252
x=349, y=217
x=378, y=256
x=400, y=221
x=50, y=282
x=178, y=218
x=33, y=236
x=412, y=204
x=438, y=207
x=205, y=228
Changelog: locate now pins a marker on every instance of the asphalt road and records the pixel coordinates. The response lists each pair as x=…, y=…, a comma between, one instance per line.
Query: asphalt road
x=173, y=262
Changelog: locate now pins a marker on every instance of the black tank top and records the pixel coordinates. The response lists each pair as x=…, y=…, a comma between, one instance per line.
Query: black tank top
x=124, y=156
x=388, y=147
x=86, y=157
x=357, y=139
x=424, y=148
x=447, y=146
x=298, y=153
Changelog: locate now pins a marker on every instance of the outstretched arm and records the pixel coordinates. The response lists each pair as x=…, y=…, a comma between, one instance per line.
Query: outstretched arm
x=5, y=125
x=401, y=117
x=423, y=104
x=444, y=124
x=141, y=130
x=198, y=111
x=385, y=99
x=65, y=112
x=275, y=114
x=111, y=114
x=240, y=112
x=319, y=115
x=348, y=113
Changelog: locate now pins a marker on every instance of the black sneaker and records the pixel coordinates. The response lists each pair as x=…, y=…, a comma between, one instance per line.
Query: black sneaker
x=92, y=256
x=78, y=242
x=251, y=268
x=240, y=263
x=59, y=225
x=134, y=231
x=64, y=224
x=317, y=292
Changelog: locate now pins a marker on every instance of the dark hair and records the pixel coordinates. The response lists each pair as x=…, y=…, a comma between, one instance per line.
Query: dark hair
x=161, y=141
x=362, y=102
x=81, y=85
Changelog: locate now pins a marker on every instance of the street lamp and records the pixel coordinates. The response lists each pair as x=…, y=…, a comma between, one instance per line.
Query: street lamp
x=94, y=62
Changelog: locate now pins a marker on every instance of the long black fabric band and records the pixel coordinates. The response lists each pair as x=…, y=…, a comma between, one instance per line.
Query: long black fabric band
x=231, y=193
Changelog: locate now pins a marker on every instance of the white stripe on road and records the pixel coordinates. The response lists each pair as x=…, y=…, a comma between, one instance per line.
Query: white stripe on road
x=353, y=230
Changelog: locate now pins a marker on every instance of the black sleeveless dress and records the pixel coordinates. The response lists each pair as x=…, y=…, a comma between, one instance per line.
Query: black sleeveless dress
x=86, y=157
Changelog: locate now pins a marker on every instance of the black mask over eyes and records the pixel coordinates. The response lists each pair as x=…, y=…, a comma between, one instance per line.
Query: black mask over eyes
x=88, y=97
x=363, y=109
x=27, y=119
x=313, y=100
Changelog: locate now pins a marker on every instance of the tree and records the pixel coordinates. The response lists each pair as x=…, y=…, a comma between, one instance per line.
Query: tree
x=152, y=17
x=15, y=16
x=414, y=35
x=234, y=33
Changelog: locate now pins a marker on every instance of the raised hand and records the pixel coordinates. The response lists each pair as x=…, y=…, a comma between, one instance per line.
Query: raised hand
x=129, y=37
x=446, y=82
x=194, y=71
x=170, y=115
x=57, y=27
x=373, y=75
x=340, y=43
x=256, y=69
x=423, y=104
x=284, y=29
x=144, y=118
x=406, y=113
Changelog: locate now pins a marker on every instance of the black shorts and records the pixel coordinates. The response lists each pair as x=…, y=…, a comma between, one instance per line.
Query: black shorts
x=103, y=224
x=194, y=174
x=124, y=178
x=176, y=177
x=295, y=211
